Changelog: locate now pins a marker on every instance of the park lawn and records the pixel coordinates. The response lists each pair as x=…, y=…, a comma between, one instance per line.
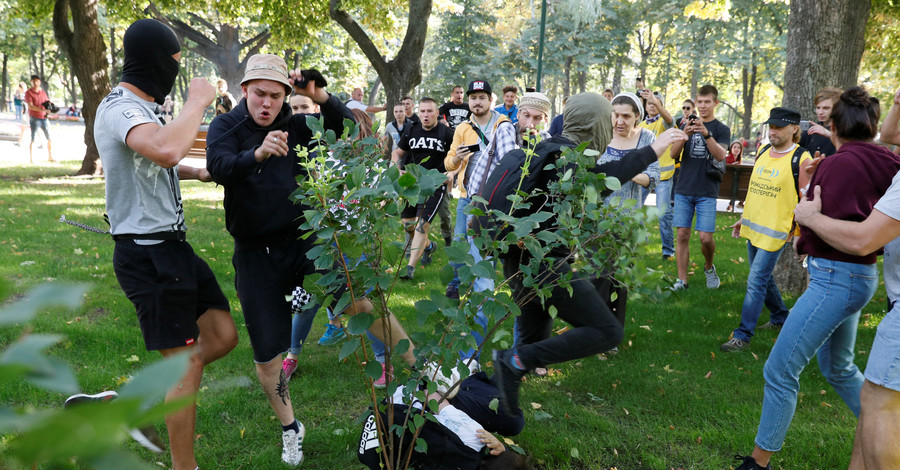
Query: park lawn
x=668, y=399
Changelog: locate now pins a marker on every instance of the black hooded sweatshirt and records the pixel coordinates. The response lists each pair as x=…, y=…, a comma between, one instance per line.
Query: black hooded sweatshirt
x=258, y=210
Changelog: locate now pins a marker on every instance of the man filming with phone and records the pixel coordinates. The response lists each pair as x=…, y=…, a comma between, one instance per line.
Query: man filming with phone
x=696, y=189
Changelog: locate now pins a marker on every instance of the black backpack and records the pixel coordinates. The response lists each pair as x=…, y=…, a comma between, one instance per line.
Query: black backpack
x=504, y=181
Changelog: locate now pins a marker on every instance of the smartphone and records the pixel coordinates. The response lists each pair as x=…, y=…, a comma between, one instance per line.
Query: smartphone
x=471, y=148
x=804, y=126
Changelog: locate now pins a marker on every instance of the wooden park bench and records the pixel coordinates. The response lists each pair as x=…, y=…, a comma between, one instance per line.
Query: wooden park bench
x=198, y=150
x=735, y=182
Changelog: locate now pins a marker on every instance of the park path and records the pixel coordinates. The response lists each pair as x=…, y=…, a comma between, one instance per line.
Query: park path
x=68, y=141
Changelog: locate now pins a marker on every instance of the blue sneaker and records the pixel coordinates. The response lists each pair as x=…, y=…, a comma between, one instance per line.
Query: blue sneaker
x=333, y=335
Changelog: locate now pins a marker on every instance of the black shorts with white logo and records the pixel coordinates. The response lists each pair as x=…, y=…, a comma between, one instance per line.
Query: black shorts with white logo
x=170, y=287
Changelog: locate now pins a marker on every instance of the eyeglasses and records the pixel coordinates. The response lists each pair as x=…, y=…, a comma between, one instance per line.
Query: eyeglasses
x=686, y=108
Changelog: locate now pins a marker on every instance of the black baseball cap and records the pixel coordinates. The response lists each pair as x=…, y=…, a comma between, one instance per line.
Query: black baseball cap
x=479, y=86
x=782, y=117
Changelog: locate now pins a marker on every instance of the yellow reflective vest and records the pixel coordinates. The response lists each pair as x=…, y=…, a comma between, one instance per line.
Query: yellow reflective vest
x=769, y=209
x=666, y=162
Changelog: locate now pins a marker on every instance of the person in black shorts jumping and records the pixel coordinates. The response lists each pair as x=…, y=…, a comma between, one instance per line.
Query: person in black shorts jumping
x=424, y=144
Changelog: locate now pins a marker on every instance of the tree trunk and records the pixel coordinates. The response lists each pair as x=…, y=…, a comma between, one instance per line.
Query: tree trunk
x=617, y=74
x=695, y=77
x=5, y=88
x=749, y=81
x=789, y=274
x=83, y=45
x=582, y=81
x=567, y=78
x=402, y=73
x=113, y=65
x=824, y=48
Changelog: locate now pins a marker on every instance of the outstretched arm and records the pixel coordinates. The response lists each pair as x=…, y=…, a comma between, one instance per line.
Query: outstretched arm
x=855, y=238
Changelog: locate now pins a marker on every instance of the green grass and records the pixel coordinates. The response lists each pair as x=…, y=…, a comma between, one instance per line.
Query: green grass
x=669, y=399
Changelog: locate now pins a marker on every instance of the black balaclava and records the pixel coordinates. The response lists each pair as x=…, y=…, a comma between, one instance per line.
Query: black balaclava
x=149, y=65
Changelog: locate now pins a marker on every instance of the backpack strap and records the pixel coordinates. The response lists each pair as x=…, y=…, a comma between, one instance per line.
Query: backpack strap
x=795, y=167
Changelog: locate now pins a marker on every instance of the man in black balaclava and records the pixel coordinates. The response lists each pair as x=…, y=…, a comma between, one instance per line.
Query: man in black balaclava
x=179, y=304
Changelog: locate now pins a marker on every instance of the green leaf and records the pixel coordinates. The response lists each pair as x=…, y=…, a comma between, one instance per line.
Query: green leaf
x=41, y=297
x=359, y=323
x=402, y=346
x=612, y=183
x=494, y=404
x=44, y=371
x=552, y=311
x=407, y=180
x=316, y=125
x=373, y=370
x=574, y=453
x=152, y=382
x=421, y=446
x=119, y=459
x=591, y=193
x=418, y=420
x=348, y=348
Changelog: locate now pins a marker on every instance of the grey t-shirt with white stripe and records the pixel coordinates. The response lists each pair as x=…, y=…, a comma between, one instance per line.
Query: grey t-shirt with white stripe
x=141, y=196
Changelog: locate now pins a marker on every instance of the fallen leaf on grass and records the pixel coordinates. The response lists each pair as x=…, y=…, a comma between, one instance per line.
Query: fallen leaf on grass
x=699, y=440
x=536, y=406
x=646, y=327
x=132, y=358
x=755, y=357
x=712, y=356
x=708, y=375
x=828, y=405
x=626, y=412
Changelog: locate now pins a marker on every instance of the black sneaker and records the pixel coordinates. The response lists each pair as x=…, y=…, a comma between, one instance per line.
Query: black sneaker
x=770, y=326
x=409, y=274
x=426, y=255
x=750, y=464
x=452, y=292
x=508, y=380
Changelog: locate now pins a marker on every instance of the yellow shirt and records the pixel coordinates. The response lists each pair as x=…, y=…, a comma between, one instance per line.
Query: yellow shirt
x=771, y=198
x=666, y=162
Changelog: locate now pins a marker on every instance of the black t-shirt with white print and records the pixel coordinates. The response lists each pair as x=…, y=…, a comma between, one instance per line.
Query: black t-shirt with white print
x=455, y=114
x=420, y=144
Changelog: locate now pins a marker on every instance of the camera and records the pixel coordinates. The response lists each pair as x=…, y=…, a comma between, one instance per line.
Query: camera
x=693, y=118
x=804, y=126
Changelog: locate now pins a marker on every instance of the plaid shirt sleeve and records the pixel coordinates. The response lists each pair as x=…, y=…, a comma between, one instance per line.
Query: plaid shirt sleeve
x=505, y=136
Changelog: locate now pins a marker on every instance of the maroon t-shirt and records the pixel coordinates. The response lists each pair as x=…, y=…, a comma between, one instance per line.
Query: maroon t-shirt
x=852, y=181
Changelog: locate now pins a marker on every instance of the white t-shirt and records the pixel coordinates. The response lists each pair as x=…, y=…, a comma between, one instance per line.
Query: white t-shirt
x=353, y=104
x=889, y=205
x=141, y=196
x=453, y=419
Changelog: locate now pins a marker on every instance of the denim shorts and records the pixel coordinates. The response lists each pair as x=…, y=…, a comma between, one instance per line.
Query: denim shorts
x=883, y=367
x=704, y=207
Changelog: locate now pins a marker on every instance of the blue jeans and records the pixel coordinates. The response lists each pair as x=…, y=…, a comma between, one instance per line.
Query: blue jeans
x=302, y=323
x=459, y=233
x=822, y=322
x=460, y=228
x=761, y=289
x=664, y=205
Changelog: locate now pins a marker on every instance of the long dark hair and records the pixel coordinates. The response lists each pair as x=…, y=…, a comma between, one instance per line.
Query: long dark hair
x=855, y=115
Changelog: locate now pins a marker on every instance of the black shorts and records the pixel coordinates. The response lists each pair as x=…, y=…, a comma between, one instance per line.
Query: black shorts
x=265, y=277
x=426, y=210
x=170, y=287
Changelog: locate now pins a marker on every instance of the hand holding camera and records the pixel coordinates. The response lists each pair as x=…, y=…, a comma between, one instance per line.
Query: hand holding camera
x=310, y=83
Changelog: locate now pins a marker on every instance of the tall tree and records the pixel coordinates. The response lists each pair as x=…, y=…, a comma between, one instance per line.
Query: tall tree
x=826, y=39
x=402, y=73
x=82, y=42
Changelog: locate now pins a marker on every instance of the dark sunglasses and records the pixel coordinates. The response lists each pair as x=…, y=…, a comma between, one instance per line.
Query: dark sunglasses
x=686, y=107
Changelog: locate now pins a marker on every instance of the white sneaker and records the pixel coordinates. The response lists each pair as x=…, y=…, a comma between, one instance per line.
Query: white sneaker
x=712, y=279
x=292, y=453
x=679, y=285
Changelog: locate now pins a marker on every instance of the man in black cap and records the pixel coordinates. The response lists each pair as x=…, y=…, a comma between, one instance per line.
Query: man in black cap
x=179, y=304
x=775, y=184
x=491, y=135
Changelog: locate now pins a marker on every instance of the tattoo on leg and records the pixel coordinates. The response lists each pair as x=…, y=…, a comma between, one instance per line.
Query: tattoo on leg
x=282, y=387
